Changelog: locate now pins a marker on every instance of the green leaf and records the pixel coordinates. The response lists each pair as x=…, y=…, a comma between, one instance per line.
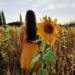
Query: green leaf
x=34, y=73
x=49, y=57
x=42, y=72
x=35, y=58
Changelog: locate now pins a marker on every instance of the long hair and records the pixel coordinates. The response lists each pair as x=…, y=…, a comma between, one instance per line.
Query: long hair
x=30, y=26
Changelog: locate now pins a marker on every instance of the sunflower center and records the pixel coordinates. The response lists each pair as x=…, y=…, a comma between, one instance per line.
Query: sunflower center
x=48, y=29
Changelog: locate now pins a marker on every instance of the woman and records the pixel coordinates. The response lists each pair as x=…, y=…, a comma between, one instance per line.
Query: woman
x=28, y=34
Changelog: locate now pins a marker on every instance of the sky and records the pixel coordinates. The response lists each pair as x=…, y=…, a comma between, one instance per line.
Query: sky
x=63, y=10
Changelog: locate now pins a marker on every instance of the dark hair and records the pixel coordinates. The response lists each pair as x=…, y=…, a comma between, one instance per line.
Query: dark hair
x=30, y=26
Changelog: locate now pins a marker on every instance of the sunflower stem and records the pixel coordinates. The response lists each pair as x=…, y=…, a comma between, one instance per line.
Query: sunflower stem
x=43, y=46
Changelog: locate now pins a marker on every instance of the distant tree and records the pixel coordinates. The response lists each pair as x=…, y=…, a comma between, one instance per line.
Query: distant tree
x=14, y=24
x=20, y=19
x=0, y=19
x=3, y=18
x=72, y=23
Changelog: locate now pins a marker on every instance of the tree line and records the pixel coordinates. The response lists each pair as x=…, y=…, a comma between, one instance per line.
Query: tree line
x=3, y=20
x=71, y=23
x=19, y=23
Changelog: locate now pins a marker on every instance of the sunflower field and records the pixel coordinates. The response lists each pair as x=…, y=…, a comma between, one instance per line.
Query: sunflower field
x=56, y=59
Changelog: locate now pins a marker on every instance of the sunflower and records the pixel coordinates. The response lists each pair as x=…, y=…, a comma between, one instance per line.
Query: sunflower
x=48, y=30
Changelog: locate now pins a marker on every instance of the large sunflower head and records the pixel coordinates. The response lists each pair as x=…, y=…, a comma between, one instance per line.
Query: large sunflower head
x=48, y=29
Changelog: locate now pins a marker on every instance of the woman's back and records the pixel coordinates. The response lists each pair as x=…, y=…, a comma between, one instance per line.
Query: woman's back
x=28, y=34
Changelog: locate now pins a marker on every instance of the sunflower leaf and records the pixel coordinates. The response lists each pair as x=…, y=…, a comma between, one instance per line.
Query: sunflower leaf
x=34, y=73
x=42, y=72
x=49, y=57
x=34, y=59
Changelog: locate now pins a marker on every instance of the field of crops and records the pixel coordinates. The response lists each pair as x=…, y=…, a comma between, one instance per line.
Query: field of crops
x=64, y=49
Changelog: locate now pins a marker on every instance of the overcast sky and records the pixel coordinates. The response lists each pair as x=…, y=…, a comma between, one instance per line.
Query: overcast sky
x=63, y=10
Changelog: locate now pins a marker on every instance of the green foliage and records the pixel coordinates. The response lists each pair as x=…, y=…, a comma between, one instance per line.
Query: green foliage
x=49, y=57
x=45, y=55
x=64, y=41
x=42, y=72
x=35, y=58
x=34, y=73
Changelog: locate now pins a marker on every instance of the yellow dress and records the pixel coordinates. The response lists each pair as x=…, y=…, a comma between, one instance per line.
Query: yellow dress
x=27, y=52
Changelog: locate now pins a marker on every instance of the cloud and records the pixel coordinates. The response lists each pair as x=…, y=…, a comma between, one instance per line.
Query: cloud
x=53, y=8
x=72, y=5
x=21, y=2
x=46, y=4
x=1, y=3
x=57, y=4
x=61, y=4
